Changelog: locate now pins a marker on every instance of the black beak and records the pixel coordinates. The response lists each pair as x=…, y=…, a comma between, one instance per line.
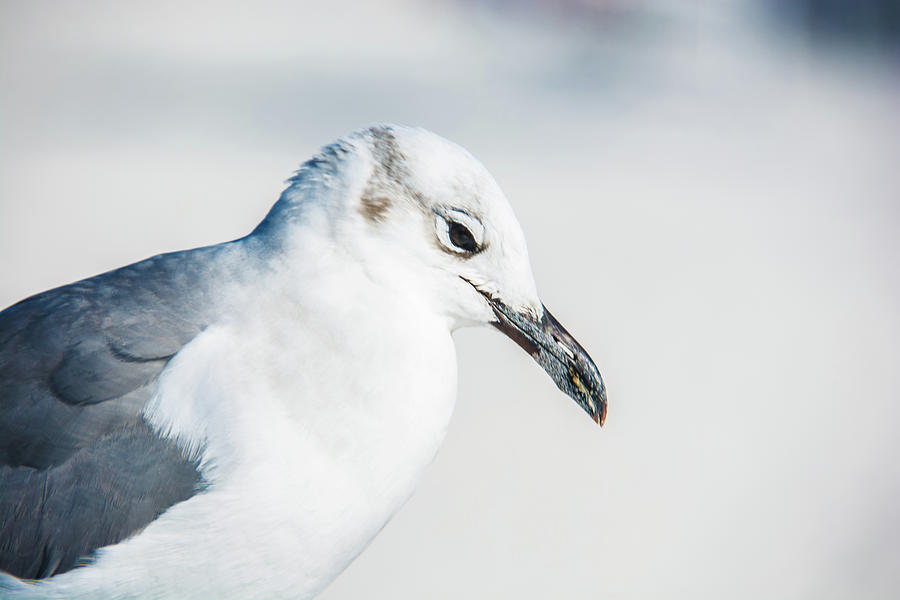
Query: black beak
x=563, y=358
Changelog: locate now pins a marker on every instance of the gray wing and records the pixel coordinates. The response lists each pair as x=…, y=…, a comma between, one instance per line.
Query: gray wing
x=79, y=469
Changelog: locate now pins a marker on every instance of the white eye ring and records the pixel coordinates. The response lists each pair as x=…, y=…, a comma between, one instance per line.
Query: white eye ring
x=445, y=217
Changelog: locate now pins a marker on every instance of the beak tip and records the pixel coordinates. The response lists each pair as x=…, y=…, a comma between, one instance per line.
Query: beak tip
x=597, y=410
x=599, y=404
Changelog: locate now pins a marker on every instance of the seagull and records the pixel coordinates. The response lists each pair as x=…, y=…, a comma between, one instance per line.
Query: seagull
x=241, y=420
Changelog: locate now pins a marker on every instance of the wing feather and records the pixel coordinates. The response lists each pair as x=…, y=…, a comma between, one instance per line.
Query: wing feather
x=79, y=468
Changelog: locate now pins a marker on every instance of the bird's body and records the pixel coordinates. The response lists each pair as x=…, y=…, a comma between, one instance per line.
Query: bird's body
x=284, y=391
x=316, y=423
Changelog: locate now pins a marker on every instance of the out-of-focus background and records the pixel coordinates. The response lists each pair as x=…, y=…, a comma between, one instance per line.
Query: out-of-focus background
x=711, y=194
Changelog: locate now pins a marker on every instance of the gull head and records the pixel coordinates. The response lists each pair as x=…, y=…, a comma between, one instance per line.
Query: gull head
x=420, y=214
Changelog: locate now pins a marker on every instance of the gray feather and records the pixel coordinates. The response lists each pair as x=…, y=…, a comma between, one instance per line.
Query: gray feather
x=53, y=519
x=79, y=469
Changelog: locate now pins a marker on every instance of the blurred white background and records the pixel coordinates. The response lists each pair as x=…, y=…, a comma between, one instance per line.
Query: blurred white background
x=711, y=193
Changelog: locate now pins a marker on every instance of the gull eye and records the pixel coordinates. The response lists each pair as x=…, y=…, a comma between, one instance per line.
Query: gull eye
x=459, y=232
x=461, y=237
